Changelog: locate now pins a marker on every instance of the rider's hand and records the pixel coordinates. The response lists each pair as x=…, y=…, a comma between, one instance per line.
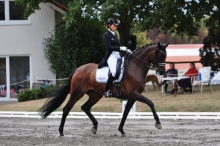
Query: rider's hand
x=123, y=48
x=129, y=51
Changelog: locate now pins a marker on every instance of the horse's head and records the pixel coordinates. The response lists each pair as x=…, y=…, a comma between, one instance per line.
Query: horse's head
x=160, y=58
x=152, y=55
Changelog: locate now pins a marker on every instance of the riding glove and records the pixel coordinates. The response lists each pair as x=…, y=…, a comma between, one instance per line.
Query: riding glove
x=129, y=51
x=125, y=49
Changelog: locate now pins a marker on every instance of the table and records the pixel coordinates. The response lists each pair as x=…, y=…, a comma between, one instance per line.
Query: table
x=173, y=79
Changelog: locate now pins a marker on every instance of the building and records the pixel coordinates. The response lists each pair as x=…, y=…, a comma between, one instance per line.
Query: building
x=183, y=53
x=21, y=49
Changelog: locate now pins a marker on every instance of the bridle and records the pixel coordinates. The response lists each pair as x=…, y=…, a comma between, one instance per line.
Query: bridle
x=150, y=65
x=157, y=65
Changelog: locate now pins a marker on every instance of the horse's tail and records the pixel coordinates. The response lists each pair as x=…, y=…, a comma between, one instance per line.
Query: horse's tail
x=54, y=102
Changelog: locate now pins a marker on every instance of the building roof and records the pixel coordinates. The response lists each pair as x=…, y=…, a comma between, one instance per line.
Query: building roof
x=183, y=53
x=60, y=4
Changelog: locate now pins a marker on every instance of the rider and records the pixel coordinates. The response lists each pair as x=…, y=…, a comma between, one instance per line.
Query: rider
x=112, y=46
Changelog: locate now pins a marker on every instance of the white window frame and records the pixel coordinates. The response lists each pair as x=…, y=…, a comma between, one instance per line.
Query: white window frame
x=12, y=22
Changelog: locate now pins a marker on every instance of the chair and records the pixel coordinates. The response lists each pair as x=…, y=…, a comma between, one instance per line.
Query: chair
x=203, y=78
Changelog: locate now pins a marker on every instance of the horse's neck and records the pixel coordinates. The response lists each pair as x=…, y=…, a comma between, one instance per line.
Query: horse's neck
x=142, y=66
x=138, y=68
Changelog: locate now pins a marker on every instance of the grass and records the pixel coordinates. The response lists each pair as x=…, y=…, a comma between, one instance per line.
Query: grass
x=196, y=102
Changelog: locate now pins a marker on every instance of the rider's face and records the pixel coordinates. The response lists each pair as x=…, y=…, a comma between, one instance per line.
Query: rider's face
x=113, y=27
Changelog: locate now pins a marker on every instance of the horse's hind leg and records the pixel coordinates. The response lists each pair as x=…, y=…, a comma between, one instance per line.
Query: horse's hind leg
x=93, y=99
x=128, y=106
x=154, y=85
x=145, y=100
x=74, y=97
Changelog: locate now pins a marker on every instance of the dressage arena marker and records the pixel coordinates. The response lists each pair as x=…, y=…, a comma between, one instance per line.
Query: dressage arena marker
x=105, y=115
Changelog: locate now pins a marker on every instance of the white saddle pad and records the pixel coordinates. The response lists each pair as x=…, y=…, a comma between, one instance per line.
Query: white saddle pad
x=102, y=74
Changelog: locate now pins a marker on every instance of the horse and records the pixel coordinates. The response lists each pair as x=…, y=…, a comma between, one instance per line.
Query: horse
x=82, y=81
x=153, y=79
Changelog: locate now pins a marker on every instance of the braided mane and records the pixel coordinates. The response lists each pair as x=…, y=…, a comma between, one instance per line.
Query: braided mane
x=143, y=47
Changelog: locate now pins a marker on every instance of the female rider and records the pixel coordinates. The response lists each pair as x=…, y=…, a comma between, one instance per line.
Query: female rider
x=112, y=52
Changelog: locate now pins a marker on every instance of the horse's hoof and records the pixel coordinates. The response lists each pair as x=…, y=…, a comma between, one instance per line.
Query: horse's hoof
x=122, y=132
x=123, y=135
x=61, y=135
x=93, y=130
x=158, y=126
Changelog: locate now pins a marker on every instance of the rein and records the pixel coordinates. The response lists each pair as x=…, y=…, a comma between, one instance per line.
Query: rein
x=146, y=64
x=155, y=67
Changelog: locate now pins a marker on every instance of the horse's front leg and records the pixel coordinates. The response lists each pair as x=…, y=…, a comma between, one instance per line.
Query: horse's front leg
x=128, y=106
x=147, y=101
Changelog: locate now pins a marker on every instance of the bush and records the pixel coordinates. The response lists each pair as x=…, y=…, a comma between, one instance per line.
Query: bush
x=35, y=94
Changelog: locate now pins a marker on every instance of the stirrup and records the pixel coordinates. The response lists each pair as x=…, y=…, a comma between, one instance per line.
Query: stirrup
x=108, y=94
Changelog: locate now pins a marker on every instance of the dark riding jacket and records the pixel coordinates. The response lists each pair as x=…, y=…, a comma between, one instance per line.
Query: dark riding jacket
x=173, y=72
x=111, y=44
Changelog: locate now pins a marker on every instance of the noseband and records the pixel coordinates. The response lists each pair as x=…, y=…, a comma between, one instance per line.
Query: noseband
x=157, y=65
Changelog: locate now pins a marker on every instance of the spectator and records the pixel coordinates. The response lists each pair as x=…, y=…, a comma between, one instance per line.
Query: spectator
x=186, y=84
x=192, y=71
x=172, y=72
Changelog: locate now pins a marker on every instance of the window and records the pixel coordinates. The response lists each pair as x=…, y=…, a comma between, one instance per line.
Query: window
x=2, y=10
x=19, y=74
x=11, y=14
x=16, y=12
x=3, y=92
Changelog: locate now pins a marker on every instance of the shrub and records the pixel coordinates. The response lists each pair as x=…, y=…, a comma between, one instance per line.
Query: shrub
x=35, y=94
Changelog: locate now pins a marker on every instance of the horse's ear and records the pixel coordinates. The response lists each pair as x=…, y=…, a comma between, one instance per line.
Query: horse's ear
x=163, y=45
x=166, y=44
x=158, y=44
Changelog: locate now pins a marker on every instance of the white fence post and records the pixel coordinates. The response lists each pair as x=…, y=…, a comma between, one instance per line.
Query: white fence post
x=133, y=108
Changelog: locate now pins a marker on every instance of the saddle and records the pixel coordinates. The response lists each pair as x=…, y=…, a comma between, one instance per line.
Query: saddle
x=102, y=75
x=117, y=84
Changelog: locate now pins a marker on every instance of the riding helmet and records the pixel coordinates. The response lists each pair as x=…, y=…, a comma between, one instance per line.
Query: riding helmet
x=112, y=21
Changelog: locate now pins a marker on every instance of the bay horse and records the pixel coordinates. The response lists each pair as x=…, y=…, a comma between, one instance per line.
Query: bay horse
x=82, y=81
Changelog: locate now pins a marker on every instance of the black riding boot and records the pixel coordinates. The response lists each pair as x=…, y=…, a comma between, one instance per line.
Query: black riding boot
x=163, y=83
x=165, y=88
x=108, y=86
x=173, y=90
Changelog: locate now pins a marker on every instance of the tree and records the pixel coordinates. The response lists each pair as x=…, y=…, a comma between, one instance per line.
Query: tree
x=70, y=47
x=181, y=16
x=210, y=53
x=156, y=35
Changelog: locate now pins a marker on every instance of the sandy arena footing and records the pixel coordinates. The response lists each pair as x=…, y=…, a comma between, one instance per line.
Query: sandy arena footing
x=44, y=132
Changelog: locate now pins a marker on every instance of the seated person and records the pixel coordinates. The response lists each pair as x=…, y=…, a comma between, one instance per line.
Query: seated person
x=186, y=84
x=172, y=72
x=192, y=71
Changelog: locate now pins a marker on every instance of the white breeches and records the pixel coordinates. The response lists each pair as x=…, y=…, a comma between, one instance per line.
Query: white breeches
x=112, y=61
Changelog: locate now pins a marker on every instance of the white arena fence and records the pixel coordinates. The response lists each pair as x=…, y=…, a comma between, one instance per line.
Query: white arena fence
x=105, y=115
